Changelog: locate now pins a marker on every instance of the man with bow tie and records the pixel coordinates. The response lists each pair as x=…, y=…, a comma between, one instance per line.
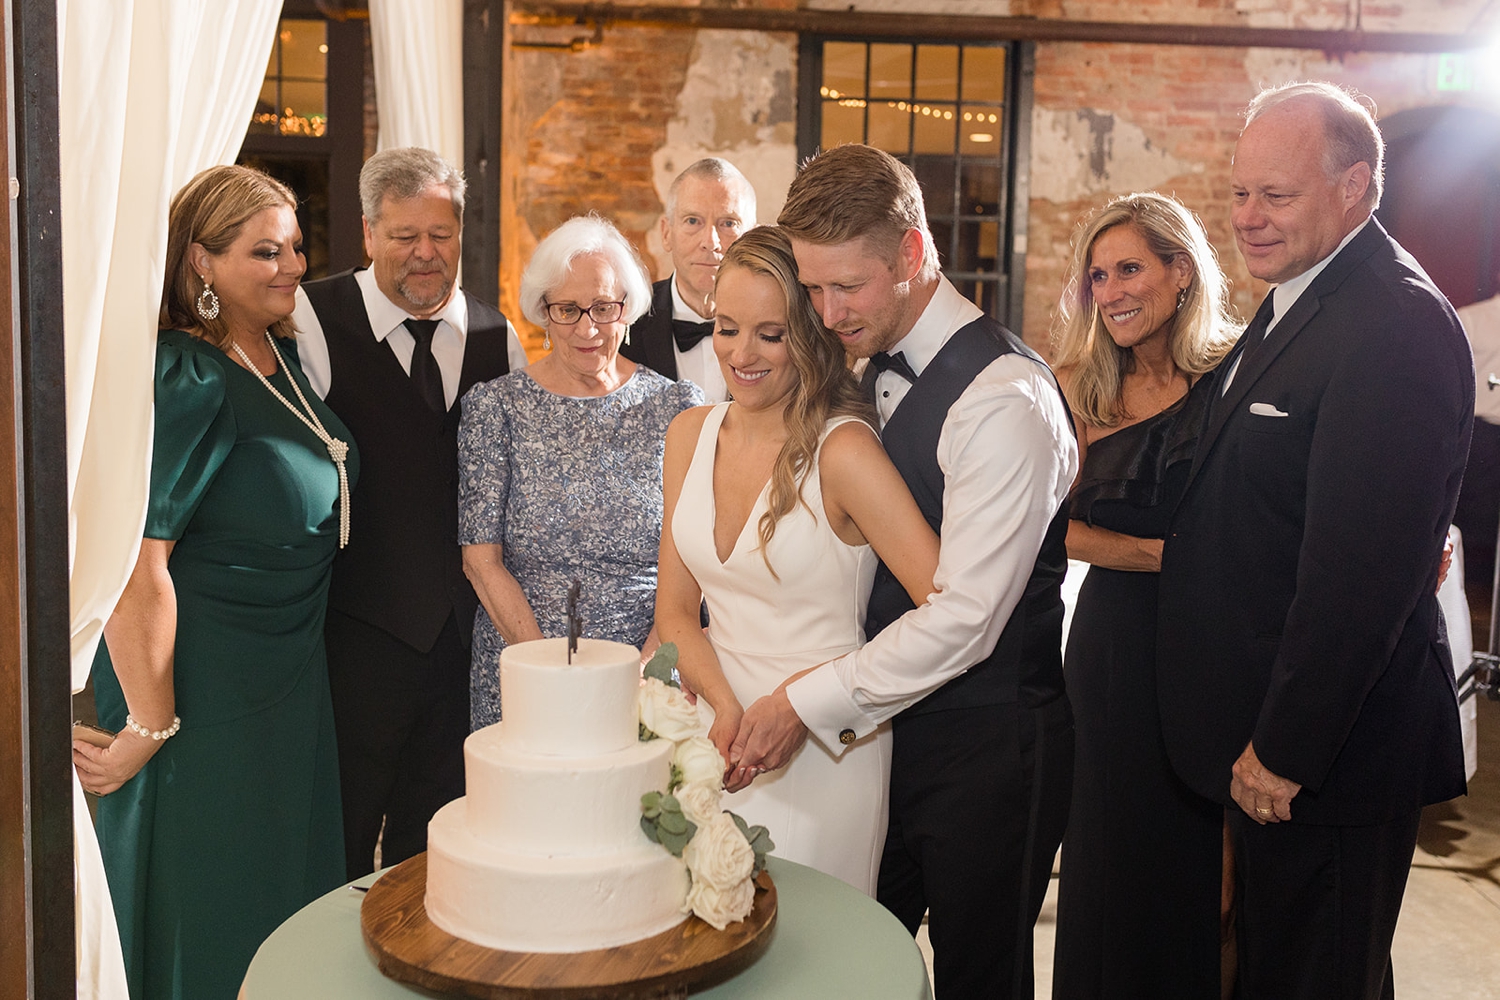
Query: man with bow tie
x=1304, y=678
x=982, y=748
x=708, y=206
x=392, y=349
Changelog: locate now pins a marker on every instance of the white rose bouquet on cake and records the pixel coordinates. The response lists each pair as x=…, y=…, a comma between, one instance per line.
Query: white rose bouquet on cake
x=722, y=852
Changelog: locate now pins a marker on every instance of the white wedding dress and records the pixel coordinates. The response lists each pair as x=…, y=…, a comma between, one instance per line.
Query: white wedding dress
x=825, y=812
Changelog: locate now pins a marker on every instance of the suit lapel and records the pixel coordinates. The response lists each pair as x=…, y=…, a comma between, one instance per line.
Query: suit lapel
x=659, y=354
x=1296, y=319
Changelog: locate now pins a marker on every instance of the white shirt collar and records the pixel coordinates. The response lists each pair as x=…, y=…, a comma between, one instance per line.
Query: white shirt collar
x=681, y=310
x=1290, y=290
x=946, y=314
x=386, y=316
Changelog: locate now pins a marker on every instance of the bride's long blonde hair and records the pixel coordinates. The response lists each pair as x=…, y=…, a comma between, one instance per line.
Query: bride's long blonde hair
x=825, y=388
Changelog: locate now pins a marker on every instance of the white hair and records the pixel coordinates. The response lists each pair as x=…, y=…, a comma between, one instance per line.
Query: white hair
x=717, y=170
x=580, y=236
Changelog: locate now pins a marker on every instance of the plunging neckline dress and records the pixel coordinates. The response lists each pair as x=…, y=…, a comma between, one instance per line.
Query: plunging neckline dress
x=823, y=811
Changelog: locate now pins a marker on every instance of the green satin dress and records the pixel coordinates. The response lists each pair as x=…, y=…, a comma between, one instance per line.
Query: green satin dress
x=235, y=823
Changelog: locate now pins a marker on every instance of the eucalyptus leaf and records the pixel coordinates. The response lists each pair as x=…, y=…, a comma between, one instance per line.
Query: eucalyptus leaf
x=651, y=804
x=649, y=827
x=673, y=822
x=662, y=663
x=675, y=842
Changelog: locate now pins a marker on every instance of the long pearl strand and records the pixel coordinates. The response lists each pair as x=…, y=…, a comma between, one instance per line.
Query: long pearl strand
x=337, y=450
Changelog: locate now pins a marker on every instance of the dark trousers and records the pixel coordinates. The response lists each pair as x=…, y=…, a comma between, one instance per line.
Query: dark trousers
x=402, y=717
x=979, y=801
x=1317, y=905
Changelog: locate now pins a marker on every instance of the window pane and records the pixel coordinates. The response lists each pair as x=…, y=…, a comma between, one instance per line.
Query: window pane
x=937, y=72
x=843, y=121
x=303, y=108
x=843, y=69
x=935, y=175
x=978, y=243
x=980, y=188
x=984, y=73
x=890, y=71
x=979, y=131
x=304, y=49
x=263, y=120
x=890, y=128
x=934, y=128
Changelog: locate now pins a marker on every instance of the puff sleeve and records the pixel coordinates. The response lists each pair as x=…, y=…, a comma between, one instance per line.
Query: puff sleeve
x=194, y=432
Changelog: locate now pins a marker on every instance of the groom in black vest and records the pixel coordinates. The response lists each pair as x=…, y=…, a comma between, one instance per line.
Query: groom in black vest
x=392, y=349
x=982, y=756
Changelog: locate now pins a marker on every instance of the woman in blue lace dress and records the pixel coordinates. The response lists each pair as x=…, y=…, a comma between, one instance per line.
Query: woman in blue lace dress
x=560, y=465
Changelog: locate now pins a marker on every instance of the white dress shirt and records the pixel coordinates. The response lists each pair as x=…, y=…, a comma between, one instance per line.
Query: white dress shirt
x=699, y=365
x=387, y=322
x=1008, y=458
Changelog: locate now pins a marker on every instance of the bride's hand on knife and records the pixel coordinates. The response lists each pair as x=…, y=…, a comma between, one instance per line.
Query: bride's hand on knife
x=721, y=734
x=770, y=733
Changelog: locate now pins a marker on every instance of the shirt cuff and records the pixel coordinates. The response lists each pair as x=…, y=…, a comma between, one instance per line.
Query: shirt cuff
x=828, y=710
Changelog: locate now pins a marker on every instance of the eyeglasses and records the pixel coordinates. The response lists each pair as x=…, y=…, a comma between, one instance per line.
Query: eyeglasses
x=568, y=313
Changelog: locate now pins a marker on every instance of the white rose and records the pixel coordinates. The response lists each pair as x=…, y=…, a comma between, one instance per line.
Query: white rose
x=666, y=711
x=700, y=803
x=699, y=761
x=721, y=907
x=719, y=855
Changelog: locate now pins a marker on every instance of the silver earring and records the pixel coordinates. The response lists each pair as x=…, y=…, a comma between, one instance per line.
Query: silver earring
x=627, y=335
x=546, y=340
x=1181, y=297
x=208, y=303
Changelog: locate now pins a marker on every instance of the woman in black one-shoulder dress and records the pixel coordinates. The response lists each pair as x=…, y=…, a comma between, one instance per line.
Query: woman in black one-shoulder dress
x=1143, y=320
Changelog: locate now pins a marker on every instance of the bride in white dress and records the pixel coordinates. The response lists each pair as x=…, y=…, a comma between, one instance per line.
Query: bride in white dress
x=774, y=503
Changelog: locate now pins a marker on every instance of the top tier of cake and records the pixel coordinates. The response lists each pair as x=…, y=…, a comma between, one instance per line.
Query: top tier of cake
x=554, y=708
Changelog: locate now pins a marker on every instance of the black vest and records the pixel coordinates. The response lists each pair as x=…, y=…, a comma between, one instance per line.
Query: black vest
x=1026, y=664
x=402, y=570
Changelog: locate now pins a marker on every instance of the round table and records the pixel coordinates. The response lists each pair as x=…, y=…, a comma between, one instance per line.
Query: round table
x=830, y=941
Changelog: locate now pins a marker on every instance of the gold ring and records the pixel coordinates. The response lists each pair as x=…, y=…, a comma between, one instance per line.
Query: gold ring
x=1263, y=812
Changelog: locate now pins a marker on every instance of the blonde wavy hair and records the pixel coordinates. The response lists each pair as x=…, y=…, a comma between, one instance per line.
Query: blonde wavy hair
x=825, y=387
x=1202, y=332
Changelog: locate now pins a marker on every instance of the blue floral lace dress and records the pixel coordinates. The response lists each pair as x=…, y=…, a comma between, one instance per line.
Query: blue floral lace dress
x=570, y=487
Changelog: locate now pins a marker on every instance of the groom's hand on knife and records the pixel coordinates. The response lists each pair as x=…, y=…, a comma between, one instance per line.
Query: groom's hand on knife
x=770, y=733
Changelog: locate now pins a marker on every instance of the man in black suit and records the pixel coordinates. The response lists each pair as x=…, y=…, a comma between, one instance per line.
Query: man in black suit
x=982, y=749
x=708, y=206
x=392, y=349
x=1304, y=677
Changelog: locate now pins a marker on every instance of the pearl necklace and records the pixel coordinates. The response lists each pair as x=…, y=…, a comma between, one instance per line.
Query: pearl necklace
x=337, y=450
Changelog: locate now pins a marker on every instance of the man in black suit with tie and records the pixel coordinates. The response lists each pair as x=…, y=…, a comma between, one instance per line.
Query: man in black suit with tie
x=708, y=206
x=392, y=349
x=972, y=683
x=1304, y=677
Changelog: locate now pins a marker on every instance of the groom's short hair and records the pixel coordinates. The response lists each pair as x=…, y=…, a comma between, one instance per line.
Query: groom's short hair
x=855, y=191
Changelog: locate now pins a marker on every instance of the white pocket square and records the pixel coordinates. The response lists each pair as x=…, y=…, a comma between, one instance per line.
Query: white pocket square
x=1266, y=410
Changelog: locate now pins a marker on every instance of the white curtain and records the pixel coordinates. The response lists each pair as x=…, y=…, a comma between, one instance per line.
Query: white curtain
x=419, y=74
x=151, y=92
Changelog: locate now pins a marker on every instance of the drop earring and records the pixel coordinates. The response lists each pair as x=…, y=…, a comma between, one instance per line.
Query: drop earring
x=546, y=340
x=1181, y=297
x=627, y=335
x=208, y=302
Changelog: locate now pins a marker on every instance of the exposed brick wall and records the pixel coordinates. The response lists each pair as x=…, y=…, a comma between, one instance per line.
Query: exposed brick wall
x=581, y=128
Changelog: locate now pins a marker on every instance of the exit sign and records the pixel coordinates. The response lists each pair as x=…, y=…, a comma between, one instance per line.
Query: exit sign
x=1455, y=71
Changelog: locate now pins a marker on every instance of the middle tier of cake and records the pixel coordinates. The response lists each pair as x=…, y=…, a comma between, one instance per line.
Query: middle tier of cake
x=559, y=806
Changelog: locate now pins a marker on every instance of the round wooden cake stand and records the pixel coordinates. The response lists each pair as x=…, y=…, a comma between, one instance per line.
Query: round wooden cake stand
x=409, y=948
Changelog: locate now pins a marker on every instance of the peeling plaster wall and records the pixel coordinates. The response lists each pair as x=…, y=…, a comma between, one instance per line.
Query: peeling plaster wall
x=607, y=129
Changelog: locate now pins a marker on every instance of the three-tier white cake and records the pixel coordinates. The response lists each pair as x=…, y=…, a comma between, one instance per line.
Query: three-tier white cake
x=546, y=853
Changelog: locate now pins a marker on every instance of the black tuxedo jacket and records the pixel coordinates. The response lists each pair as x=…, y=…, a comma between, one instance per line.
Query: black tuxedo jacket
x=651, y=335
x=1297, y=600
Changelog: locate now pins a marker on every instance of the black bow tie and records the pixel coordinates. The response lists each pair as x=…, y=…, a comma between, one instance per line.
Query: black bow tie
x=896, y=363
x=688, y=334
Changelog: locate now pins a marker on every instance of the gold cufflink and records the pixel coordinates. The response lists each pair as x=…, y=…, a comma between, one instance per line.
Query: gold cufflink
x=846, y=737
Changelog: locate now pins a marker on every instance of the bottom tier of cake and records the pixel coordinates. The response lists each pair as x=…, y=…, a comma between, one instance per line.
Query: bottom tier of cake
x=522, y=903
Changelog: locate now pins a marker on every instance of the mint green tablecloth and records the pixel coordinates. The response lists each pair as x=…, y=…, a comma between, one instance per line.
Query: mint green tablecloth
x=830, y=941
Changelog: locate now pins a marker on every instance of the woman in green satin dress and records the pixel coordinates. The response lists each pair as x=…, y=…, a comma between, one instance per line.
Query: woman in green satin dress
x=217, y=827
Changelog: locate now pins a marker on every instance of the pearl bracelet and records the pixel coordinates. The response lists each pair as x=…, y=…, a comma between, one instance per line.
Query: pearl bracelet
x=160, y=734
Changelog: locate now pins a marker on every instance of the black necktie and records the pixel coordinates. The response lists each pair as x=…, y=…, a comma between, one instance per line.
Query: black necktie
x=688, y=334
x=1255, y=333
x=884, y=362
x=424, y=369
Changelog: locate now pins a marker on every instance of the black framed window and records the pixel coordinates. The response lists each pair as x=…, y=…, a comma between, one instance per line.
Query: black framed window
x=307, y=130
x=959, y=115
